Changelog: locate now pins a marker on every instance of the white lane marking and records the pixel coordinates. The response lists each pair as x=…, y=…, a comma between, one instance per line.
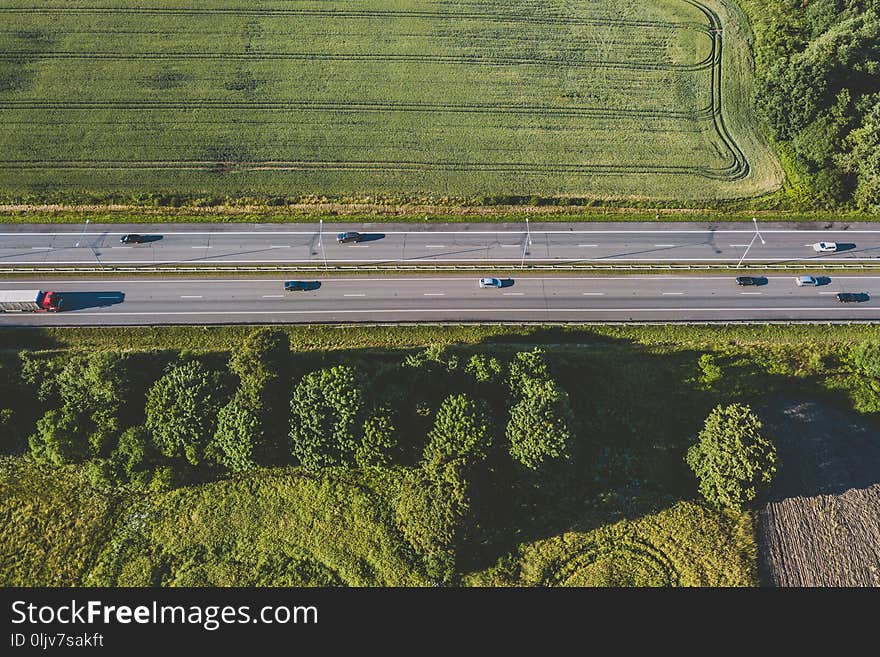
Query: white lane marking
x=672, y=294
x=273, y=296
x=121, y=247
x=510, y=246
x=752, y=293
x=434, y=246
x=827, y=292
x=666, y=245
x=354, y=295
x=434, y=294
x=190, y=296
x=279, y=246
x=201, y=247
x=42, y=248
x=584, y=246
x=514, y=294
x=734, y=245
x=358, y=246
x=593, y=294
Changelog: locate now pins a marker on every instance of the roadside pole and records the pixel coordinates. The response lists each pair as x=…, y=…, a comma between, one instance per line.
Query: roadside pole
x=83, y=232
x=321, y=241
x=756, y=236
x=526, y=245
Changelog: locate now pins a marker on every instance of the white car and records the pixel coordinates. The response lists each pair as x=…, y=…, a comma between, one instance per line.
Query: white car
x=825, y=247
x=490, y=282
x=806, y=280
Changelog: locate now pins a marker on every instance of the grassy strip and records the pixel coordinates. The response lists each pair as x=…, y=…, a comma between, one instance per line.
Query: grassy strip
x=685, y=545
x=407, y=214
x=328, y=338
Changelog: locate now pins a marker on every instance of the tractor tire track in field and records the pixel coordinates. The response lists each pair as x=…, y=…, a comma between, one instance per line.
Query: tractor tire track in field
x=329, y=106
x=389, y=166
x=480, y=60
x=377, y=14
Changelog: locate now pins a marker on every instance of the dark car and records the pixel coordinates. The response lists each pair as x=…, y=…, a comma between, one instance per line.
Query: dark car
x=345, y=238
x=748, y=280
x=132, y=239
x=301, y=286
x=852, y=297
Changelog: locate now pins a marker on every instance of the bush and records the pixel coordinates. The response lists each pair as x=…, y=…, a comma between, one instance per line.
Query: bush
x=182, y=409
x=732, y=459
x=461, y=433
x=325, y=411
x=539, y=427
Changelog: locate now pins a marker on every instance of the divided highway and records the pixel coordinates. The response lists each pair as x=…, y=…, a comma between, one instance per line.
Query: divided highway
x=144, y=301
x=413, y=244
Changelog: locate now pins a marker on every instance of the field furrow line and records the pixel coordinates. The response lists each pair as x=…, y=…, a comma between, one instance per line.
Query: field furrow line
x=360, y=57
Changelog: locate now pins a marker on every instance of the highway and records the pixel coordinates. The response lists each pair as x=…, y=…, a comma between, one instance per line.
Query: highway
x=413, y=244
x=143, y=301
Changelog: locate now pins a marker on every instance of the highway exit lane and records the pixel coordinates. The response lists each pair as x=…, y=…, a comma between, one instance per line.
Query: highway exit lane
x=449, y=298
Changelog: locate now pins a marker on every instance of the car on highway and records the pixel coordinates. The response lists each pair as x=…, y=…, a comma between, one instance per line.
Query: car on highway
x=351, y=236
x=133, y=238
x=748, y=280
x=301, y=286
x=491, y=282
x=852, y=297
x=825, y=247
x=806, y=280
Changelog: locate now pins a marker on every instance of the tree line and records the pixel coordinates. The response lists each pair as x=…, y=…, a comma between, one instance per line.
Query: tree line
x=818, y=90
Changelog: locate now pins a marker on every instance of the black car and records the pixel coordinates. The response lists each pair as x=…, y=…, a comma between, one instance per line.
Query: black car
x=301, y=286
x=133, y=239
x=748, y=280
x=345, y=238
x=852, y=297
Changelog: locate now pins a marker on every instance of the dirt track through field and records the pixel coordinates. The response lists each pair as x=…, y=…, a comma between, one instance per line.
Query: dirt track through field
x=821, y=526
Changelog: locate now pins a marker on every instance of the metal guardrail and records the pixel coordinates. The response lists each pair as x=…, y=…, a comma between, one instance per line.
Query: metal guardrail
x=176, y=268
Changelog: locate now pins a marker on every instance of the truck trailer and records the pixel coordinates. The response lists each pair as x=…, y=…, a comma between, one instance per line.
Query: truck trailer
x=35, y=301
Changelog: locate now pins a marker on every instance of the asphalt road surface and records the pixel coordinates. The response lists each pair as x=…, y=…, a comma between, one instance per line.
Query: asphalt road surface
x=449, y=243
x=449, y=298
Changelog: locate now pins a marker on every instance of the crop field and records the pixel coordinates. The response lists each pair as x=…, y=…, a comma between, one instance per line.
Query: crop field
x=393, y=98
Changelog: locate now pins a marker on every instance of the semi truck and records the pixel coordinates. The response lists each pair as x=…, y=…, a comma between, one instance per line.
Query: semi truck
x=35, y=301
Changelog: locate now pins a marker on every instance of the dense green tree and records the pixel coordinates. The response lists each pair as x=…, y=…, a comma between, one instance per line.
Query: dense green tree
x=732, y=458
x=326, y=409
x=379, y=441
x=461, y=432
x=865, y=357
x=93, y=391
x=539, y=429
x=239, y=434
x=182, y=410
x=484, y=369
x=58, y=438
x=525, y=367
x=262, y=364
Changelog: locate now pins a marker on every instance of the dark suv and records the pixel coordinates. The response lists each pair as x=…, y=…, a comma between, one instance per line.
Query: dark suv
x=345, y=238
x=748, y=280
x=852, y=297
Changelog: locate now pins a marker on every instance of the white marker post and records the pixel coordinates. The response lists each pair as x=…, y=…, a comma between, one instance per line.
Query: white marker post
x=527, y=244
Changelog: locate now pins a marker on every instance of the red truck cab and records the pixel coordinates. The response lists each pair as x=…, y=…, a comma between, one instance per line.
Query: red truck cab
x=51, y=301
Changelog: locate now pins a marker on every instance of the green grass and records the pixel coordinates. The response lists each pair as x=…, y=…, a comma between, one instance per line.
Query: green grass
x=328, y=338
x=386, y=98
x=685, y=545
x=278, y=528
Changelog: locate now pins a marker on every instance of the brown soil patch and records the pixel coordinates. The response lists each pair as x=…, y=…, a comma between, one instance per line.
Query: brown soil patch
x=821, y=526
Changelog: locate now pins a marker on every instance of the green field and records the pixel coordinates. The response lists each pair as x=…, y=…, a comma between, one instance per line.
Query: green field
x=616, y=99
